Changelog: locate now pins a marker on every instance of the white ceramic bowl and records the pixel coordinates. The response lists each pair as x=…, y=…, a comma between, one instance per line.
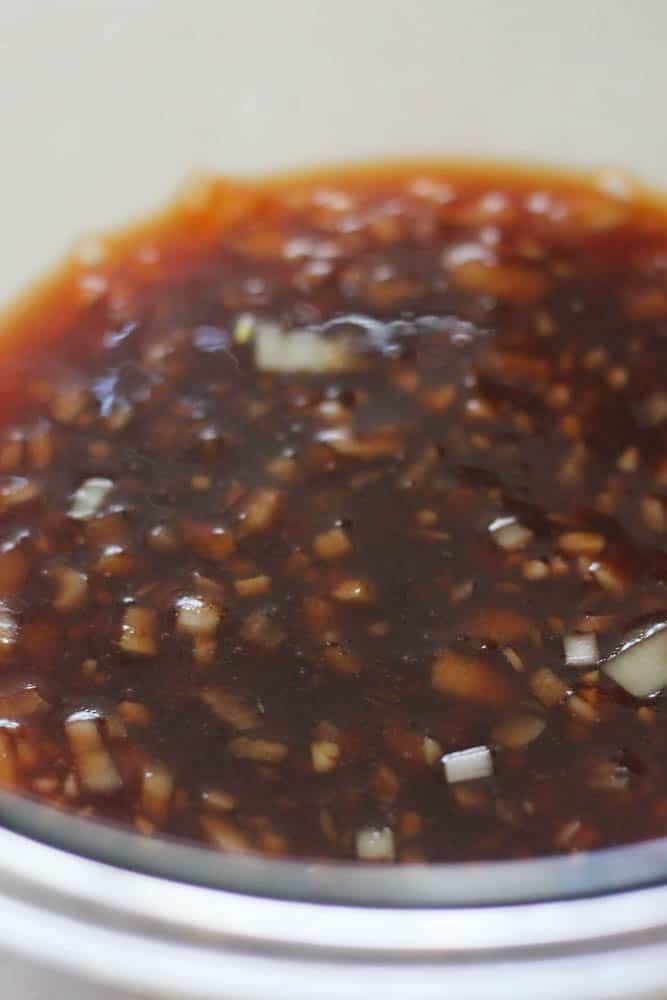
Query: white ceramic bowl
x=106, y=106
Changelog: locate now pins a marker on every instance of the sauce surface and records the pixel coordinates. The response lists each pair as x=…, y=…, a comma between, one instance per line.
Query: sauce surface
x=333, y=519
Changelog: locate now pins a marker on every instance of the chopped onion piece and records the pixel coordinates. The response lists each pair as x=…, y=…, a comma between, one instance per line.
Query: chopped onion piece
x=581, y=543
x=218, y=801
x=653, y=514
x=375, y=845
x=156, y=791
x=7, y=761
x=432, y=750
x=84, y=715
x=260, y=510
x=610, y=577
x=230, y=708
x=19, y=705
x=224, y=835
x=333, y=544
x=15, y=491
x=138, y=631
x=640, y=666
x=654, y=410
x=608, y=776
x=261, y=630
x=97, y=771
x=509, y=534
x=581, y=650
x=546, y=686
x=467, y=765
x=518, y=731
x=290, y=351
x=71, y=588
x=582, y=710
x=9, y=631
x=196, y=616
x=89, y=498
x=324, y=755
x=244, y=328
x=267, y=751
x=253, y=586
x=354, y=591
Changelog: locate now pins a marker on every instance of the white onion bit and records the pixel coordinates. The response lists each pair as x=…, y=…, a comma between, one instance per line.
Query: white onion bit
x=9, y=630
x=432, y=750
x=581, y=650
x=277, y=350
x=468, y=765
x=97, y=771
x=89, y=498
x=640, y=666
x=509, y=534
x=375, y=845
x=195, y=616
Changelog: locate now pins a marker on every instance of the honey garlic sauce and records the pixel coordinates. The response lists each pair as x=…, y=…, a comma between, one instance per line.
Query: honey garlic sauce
x=333, y=519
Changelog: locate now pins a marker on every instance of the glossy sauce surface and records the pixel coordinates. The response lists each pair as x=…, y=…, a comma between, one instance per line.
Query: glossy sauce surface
x=328, y=482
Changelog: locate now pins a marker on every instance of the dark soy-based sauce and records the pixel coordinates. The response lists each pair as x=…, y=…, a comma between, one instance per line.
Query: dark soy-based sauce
x=321, y=482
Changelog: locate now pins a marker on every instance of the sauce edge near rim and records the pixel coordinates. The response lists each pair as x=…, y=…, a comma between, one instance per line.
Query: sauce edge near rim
x=203, y=193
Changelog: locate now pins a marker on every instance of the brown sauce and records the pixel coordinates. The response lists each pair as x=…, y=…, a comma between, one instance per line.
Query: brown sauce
x=318, y=483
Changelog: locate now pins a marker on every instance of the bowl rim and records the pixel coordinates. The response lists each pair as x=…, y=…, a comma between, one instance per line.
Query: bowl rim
x=453, y=885
x=460, y=886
